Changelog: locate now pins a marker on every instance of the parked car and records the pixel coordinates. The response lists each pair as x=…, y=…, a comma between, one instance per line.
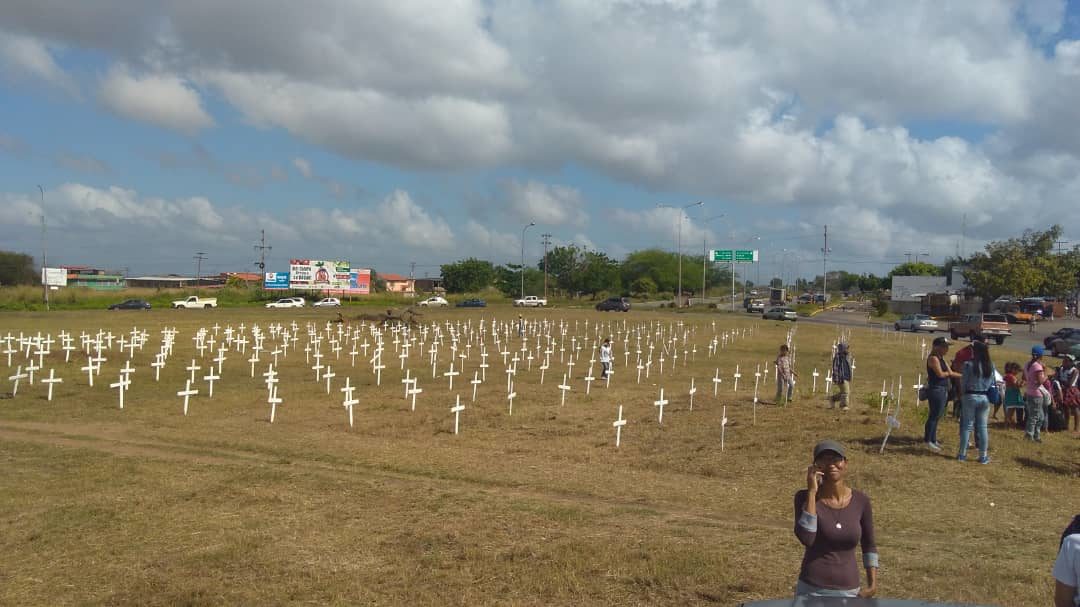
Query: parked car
x=286, y=302
x=472, y=303
x=989, y=326
x=131, y=304
x=328, y=302
x=1064, y=343
x=195, y=302
x=781, y=313
x=916, y=323
x=530, y=301
x=1062, y=332
x=1017, y=317
x=434, y=302
x=613, y=304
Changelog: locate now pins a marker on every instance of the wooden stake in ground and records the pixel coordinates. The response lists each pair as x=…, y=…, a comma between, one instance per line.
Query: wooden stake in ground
x=618, y=423
x=661, y=403
x=50, y=380
x=723, y=427
x=456, y=410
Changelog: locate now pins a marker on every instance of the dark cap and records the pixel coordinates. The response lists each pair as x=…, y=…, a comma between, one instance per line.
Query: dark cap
x=828, y=445
x=941, y=341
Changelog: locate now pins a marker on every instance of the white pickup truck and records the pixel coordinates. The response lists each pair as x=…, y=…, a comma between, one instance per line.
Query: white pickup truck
x=530, y=301
x=195, y=302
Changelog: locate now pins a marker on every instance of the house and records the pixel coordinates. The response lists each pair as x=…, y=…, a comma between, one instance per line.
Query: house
x=396, y=283
x=93, y=278
x=430, y=285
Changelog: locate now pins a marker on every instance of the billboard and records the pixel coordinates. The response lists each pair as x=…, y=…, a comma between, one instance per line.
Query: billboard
x=318, y=274
x=359, y=281
x=276, y=280
x=54, y=277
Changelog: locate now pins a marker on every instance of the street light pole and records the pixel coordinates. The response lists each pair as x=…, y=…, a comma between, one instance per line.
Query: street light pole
x=678, y=296
x=44, y=252
x=531, y=224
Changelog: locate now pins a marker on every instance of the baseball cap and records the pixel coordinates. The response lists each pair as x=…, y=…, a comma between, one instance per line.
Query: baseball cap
x=1037, y=350
x=828, y=445
x=942, y=341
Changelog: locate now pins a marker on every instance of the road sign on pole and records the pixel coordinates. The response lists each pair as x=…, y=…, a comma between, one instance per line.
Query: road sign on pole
x=736, y=255
x=746, y=255
x=725, y=255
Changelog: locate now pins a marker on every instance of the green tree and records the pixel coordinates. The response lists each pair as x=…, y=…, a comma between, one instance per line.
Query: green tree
x=468, y=275
x=643, y=286
x=17, y=269
x=508, y=280
x=917, y=268
x=1019, y=266
x=598, y=274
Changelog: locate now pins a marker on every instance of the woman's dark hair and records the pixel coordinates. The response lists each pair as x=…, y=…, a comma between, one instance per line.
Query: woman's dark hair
x=981, y=359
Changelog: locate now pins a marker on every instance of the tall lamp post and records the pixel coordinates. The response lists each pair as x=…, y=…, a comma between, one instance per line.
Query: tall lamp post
x=678, y=296
x=531, y=224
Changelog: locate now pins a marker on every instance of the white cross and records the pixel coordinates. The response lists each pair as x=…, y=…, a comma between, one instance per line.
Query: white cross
x=159, y=362
x=618, y=423
x=50, y=380
x=413, y=392
x=220, y=359
x=273, y=400
x=639, y=368
x=193, y=368
x=511, y=398
x=211, y=378
x=317, y=368
x=723, y=426
x=451, y=374
x=589, y=379
x=607, y=379
x=815, y=374
x=407, y=381
x=15, y=378
x=122, y=386
x=716, y=381
x=328, y=376
x=661, y=403
x=475, y=381
x=693, y=391
x=89, y=369
x=736, y=376
x=30, y=370
x=349, y=400
x=456, y=410
x=187, y=392
x=884, y=394
x=564, y=387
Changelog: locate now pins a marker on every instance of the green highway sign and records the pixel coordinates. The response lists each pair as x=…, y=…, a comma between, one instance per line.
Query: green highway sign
x=737, y=255
x=746, y=255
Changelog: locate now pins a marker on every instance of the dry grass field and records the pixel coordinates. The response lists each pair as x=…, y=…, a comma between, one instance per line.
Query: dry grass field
x=146, y=506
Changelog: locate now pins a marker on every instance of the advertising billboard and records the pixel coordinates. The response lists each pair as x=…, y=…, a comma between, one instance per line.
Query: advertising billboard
x=276, y=280
x=54, y=277
x=359, y=281
x=318, y=274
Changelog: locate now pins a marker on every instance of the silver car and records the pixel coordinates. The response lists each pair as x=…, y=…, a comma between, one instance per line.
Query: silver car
x=781, y=313
x=916, y=323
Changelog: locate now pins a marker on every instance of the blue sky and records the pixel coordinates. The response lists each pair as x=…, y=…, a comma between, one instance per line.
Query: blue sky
x=388, y=133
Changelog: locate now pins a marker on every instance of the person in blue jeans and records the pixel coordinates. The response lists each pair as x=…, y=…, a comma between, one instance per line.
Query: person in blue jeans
x=978, y=377
x=938, y=379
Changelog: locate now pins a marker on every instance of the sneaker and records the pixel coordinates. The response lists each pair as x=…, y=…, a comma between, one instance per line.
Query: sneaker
x=938, y=445
x=933, y=447
x=984, y=460
x=961, y=458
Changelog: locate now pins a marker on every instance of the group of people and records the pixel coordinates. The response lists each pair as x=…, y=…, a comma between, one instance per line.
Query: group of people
x=840, y=374
x=973, y=383
x=832, y=520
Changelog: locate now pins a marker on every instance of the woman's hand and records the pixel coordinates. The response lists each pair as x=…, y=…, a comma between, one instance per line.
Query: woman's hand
x=868, y=592
x=813, y=479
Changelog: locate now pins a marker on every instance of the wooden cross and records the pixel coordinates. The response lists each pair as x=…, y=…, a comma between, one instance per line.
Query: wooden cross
x=328, y=376
x=122, y=386
x=15, y=378
x=413, y=392
x=451, y=374
x=564, y=387
x=640, y=366
x=475, y=381
x=510, y=397
x=187, y=393
x=220, y=359
x=30, y=371
x=589, y=379
x=89, y=369
x=618, y=423
x=273, y=400
x=50, y=380
x=193, y=368
x=693, y=391
x=349, y=400
x=456, y=410
x=661, y=403
x=716, y=381
x=736, y=376
x=723, y=426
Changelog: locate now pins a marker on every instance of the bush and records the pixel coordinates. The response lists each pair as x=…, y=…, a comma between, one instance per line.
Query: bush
x=881, y=307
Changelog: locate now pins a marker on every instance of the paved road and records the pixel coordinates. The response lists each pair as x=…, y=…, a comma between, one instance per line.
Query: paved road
x=1021, y=341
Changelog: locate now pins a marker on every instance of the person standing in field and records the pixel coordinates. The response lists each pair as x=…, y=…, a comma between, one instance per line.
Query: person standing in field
x=1067, y=384
x=521, y=326
x=831, y=519
x=1014, y=395
x=1036, y=397
x=977, y=379
x=605, y=358
x=785, y=377
x=1067, y=567
x=841, y=376
x=939, y=378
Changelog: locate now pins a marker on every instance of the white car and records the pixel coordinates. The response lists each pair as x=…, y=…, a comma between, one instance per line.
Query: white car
x=781, y=313
x=916, y=323
x=434, y=302
x=329, y=302
x=287, y=302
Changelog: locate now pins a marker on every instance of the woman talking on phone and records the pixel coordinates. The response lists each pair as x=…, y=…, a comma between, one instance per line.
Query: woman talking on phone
x=831, y=519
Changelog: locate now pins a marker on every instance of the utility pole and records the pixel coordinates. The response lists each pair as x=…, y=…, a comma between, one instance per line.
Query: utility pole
x=547, y=242
x=908, y=255
x=531, y=224
x=824, y=271
x=262, y=248
x=199, y=257
x=1059, y=244
x=44, y=252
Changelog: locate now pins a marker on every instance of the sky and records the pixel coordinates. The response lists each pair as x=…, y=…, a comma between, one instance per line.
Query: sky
x=392, y=132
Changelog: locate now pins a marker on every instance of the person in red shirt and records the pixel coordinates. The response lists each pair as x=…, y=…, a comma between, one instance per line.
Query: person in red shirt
x=962, y=356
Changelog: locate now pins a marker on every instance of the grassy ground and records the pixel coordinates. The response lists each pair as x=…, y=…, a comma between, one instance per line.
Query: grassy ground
x=146, y=506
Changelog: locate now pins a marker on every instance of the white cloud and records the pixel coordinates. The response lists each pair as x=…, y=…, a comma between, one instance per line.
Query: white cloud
x=166, y=100
x=549, y=205
x=395, y=221
x=29, y=58
x=82, y=163
x=485, y=243
x=303, y=167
